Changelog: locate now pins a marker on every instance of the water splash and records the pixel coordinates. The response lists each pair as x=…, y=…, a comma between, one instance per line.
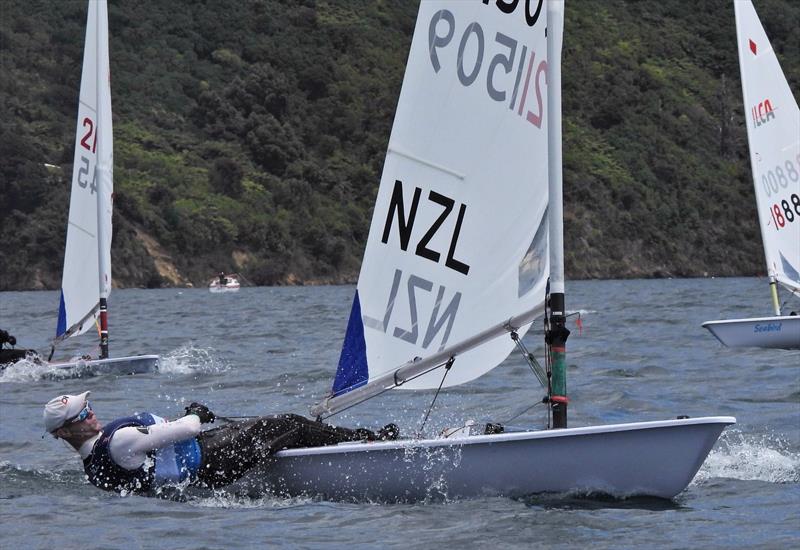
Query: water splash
x=24, y=481
x=190, y=359
x=26, y=370
x=748, y=457
x=222, y=499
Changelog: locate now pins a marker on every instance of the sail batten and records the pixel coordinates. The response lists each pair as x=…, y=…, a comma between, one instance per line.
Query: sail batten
x=81, y=228
x=410, y=156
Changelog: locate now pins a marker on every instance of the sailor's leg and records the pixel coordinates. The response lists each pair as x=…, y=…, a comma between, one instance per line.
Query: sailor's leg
x=311, y=433
x=230, y=451
x=222, y=458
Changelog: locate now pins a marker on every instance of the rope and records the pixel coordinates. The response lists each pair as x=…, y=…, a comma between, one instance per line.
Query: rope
x=427, y=414
x=454, y=430
x=447, y=364
x=548, y=349
x=530, y=359
x=523, y=412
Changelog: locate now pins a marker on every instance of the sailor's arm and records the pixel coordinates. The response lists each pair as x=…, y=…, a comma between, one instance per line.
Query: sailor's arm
x=129, y=446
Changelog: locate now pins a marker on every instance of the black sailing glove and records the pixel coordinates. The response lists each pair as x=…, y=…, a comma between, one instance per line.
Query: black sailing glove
x=202, y=412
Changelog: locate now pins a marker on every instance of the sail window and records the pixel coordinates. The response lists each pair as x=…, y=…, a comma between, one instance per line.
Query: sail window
x=533, y=266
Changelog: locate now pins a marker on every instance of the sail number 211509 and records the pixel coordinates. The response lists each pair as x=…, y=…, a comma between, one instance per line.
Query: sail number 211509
x=441, y=31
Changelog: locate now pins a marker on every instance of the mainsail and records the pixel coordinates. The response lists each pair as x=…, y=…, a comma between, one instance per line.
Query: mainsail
x=773, y=132
x=457, y=251
x=87, y=259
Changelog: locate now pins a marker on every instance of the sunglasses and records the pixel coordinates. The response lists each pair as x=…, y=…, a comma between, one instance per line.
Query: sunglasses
x=81, y=416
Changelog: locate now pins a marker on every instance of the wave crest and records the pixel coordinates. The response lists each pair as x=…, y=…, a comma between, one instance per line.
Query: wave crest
x=189, y=359
x=748, y=457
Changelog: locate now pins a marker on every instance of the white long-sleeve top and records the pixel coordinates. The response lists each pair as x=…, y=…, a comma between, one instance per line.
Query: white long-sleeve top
x=129, y=446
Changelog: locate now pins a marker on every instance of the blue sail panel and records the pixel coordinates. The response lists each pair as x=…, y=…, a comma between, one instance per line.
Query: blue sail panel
x=62, y=316
x=352, y=371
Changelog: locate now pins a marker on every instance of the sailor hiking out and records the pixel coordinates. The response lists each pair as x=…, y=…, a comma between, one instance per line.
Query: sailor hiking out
x=142, y=452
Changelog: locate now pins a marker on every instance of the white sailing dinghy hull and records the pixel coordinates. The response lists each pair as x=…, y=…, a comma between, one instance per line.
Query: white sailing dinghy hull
x=135, y=364
x=656, y=459
x=781, y=332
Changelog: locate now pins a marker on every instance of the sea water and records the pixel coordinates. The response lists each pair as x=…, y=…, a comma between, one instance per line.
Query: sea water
x=640, y=355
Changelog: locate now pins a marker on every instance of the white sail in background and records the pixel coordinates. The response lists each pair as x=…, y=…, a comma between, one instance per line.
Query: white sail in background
x=458, y=240
x=773, y=132
x=87, y=259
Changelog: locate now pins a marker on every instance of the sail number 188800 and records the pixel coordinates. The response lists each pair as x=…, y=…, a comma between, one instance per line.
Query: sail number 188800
x=785, y=212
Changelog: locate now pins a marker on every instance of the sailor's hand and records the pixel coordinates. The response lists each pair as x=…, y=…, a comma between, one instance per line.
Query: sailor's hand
x=202, y=412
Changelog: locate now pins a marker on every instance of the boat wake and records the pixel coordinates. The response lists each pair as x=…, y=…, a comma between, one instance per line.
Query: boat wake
x=189, y=359
x=20, y=481
x=26, y=370
x=748, y=457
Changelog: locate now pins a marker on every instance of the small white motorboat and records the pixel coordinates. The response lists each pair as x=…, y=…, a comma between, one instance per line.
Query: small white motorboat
x=224, y=283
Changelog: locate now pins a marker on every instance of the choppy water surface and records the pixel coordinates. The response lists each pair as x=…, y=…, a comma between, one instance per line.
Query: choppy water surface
x=641, y=356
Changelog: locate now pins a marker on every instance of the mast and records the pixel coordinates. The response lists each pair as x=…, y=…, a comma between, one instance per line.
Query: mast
x=773, y=288
x=557, y=332
x=773, y=283
x=102, y=168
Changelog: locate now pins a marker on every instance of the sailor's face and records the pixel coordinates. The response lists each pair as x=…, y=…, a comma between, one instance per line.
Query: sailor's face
x=92, y=422
x=87, y=427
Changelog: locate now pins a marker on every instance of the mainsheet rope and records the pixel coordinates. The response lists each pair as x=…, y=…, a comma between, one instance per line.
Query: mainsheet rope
x=427, y=414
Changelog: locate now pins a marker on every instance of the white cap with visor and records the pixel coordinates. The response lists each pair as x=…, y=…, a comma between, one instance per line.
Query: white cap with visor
x=60, y=410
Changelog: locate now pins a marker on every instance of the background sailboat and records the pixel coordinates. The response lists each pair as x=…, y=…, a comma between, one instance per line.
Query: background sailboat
x=466, y=232
x=86, y=281
x=773, y=134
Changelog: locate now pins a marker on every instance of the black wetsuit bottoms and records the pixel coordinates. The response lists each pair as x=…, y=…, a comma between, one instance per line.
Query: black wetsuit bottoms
x=228, y=452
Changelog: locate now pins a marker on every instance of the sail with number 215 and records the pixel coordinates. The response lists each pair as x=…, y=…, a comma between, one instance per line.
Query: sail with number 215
x=87, y=259
x=86, y=281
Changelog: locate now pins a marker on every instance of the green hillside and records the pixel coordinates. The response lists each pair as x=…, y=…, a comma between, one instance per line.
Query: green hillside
x=250, y=136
